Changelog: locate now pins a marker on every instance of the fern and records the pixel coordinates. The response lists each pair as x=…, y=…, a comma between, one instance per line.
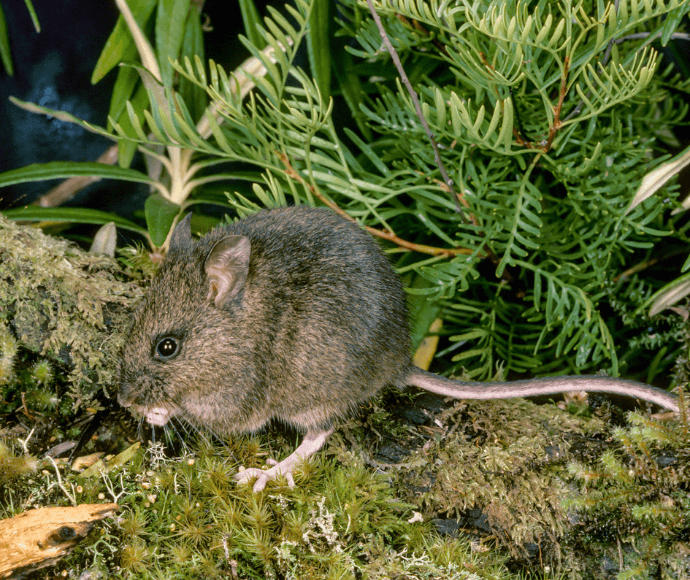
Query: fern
x=546, y=115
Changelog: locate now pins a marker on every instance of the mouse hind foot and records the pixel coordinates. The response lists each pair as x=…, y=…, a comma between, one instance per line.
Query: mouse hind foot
x=312, y=442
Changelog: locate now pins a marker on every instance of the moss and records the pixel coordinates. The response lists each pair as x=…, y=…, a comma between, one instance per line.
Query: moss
x=633, y=502
x=65, y=304
x=186, y=518
x=14, y=465
x=505, y=473
x=495, y=467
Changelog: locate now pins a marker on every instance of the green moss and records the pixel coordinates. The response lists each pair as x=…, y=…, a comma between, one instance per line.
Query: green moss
x=13, y=465
x=634, y=501
x=67, y=305
x=187, y=518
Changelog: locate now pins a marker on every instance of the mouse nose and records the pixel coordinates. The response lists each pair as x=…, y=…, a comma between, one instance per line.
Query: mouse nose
x=125, y=399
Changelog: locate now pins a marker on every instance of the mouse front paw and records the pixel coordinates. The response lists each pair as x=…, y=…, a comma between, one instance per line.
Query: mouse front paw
x=263, y=476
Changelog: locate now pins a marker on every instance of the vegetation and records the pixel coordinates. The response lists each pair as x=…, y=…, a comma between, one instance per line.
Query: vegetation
x=510, y=198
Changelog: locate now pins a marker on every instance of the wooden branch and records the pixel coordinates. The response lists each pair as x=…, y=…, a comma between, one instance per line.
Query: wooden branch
x=39, y=538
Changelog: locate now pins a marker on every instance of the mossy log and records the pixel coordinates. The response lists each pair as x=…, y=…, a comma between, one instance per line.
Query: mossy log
x=66, y=304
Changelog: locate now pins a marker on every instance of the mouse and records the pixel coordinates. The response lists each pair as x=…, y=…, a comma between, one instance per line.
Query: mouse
x=292, y=314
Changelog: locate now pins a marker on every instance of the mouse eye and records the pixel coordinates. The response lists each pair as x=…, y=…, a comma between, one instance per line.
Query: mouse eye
x=167, y=348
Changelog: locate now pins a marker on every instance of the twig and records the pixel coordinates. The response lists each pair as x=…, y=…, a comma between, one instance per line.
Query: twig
x=69, y=495
x=70, y=187
x=635, y=269
x=557, y=124
x=415, y=101
x=640, y=35
x=291, y=172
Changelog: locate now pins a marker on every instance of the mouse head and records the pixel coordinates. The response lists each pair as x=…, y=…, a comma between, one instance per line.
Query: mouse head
x=187, y=332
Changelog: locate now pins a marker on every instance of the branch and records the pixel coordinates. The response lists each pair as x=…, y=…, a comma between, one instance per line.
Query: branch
x=556, y=125
x=415, y=101
x=291, y=172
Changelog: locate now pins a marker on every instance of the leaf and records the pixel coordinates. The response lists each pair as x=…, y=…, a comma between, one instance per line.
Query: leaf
x=137, y=104
x=424, y=353
x=127, y=78
x=319, y=46
x=75, y=215
x=120, y=45
x=193, y=49
x=251, y=21
x=5, y=53
x=105, y=240
x=32, y=13
x=671, y=23
x=160, y=216
x=170, y=31
x=61, y=169
x=658, y=177
x=669, y=295
x=62, y=116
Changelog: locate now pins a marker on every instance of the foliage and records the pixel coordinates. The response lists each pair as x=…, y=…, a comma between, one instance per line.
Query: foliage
x=547, y=115
x=637, y=494
x=5, y=52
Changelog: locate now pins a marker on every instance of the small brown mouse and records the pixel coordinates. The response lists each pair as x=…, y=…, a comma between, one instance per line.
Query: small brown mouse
x=292, y=314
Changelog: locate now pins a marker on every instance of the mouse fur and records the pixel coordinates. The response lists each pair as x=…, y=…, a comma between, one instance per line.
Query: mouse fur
x=291, y=314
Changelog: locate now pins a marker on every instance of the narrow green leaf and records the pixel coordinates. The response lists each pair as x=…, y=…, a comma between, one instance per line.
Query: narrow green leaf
x=545, y=29
x=319, y=46
x=671, y=23
x=369, y=152
x=62, y=169
x=127, y=79
x=134, y=121
x=557, y=33
x=62, y=116
x=505, y=136
x=5, y=52
x=349, y=85
x=194, y=96
x=127, y=149
x=75, y=215
x=32, y=13
x=252, y=22
x=171, y=19
x=160, y=215
x=120, y=44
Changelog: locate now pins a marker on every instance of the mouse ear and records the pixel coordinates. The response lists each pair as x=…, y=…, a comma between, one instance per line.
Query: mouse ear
x=182, y=235
x=226, y=268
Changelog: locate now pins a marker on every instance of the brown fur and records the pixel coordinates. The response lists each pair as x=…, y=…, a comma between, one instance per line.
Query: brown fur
x=304, y=326
x=319, y=326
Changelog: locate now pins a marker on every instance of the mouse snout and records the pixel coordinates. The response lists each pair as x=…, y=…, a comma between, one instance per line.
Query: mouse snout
x=125, y=399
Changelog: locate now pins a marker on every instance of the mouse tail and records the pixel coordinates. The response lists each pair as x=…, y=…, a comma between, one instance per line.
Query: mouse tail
x=533, y=387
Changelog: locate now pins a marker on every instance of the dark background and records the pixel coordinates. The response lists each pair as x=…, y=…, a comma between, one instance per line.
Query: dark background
x=53, y=68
